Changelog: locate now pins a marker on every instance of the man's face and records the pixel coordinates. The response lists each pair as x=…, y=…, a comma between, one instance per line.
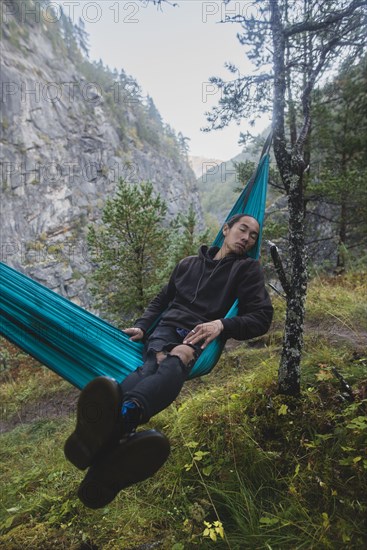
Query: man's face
x=241, y=237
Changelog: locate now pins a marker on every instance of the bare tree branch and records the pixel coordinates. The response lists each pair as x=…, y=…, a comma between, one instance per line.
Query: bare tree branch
x=278, y=264
x=314, y=26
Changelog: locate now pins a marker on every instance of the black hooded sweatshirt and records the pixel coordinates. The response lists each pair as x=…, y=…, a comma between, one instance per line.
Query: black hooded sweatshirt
x=202, y=289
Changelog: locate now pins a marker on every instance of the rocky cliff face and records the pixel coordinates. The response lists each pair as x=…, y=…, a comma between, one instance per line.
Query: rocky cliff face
x=62, y=153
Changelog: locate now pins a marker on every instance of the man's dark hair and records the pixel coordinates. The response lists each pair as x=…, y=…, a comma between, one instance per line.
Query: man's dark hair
x=234, y=219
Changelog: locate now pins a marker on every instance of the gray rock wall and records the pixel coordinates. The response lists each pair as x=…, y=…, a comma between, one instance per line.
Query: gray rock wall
x=60, y=157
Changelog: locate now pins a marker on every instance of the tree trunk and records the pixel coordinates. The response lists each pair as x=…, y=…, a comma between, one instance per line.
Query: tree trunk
x=291, y=167
x=289, y=374
x=340, y=263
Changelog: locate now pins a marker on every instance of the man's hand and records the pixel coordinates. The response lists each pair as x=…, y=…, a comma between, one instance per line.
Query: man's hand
x=205, y=332
x=135, y=333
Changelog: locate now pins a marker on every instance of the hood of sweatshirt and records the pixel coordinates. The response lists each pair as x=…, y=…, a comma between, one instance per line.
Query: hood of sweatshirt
x=205, y=288
x=207, y=253
x=202, y=289
x=210, y=266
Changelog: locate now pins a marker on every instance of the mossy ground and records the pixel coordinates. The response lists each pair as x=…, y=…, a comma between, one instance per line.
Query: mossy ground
x=272, y=472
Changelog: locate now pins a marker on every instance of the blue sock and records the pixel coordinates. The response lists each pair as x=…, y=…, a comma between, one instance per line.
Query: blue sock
x=131, y=416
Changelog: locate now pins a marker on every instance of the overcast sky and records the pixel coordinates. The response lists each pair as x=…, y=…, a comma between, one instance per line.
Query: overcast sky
x=171, y=52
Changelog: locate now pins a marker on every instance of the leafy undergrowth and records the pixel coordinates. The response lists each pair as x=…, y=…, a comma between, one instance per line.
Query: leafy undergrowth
x=248, y=468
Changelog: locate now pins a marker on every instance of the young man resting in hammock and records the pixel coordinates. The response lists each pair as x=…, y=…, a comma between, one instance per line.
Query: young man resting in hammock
x=192, y=307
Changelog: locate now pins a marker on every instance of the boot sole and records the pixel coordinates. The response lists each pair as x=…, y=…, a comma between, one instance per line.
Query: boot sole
x=135, y=459
x=97, y=425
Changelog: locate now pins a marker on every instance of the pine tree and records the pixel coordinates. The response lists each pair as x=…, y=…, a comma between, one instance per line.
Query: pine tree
x=129, y=249
x=339, y=167
x=185, y=239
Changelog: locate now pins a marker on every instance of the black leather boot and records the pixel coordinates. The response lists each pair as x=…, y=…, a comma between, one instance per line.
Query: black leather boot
x=98, y=425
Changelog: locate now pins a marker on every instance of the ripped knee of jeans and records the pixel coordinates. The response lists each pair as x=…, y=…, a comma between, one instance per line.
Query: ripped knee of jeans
x=185, y=353
x=160, y=356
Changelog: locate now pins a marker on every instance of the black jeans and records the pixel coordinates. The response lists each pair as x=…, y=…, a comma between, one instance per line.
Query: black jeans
x=155, y=386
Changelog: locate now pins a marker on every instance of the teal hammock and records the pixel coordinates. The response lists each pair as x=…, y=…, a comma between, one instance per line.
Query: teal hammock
x=78, y=345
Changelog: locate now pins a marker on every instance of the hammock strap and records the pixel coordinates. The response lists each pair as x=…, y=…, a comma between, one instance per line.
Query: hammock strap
x=252, y=180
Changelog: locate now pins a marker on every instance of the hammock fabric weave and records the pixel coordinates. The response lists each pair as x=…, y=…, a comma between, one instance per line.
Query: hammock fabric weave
x=80, y=346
